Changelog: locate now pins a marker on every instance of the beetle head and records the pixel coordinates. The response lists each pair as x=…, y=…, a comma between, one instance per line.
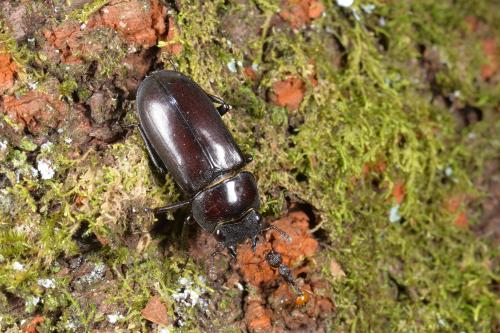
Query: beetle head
x=232, y=233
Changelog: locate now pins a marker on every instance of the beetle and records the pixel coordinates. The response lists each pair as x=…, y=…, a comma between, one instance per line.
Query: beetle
x=184, y=134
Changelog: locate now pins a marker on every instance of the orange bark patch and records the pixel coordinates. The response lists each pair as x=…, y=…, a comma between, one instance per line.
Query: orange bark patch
x=7, y=72
x=139, y=25
x=155, y=311
x=455, y=205
x=256, y=317
x=490, y=49
x=250, y=73
x=172, y=47
x=398, y=192
x=377, y=167
x=133, y=21
x=288, y=93
x=31, y=327
x=35, y=110
x=472, y=23
x=67, y=40
x=299, y=13
x=255, y=269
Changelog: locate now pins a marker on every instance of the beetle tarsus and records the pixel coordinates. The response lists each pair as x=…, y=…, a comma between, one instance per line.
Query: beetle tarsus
x=223, y=108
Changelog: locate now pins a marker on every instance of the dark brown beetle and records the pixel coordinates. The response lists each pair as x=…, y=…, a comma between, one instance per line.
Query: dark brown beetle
x=184, y=135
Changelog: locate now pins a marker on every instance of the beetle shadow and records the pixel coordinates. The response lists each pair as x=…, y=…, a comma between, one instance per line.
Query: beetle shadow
x=174, y=232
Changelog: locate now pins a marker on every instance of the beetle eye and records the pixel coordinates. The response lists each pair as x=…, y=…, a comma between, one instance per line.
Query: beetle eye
x=219, y=236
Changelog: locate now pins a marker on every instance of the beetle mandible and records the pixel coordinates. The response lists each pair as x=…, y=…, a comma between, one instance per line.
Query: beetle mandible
x=184, y=134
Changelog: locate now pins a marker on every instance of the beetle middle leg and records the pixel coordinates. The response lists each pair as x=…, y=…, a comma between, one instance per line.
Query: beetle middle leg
x=161, y=210
x=223, y=108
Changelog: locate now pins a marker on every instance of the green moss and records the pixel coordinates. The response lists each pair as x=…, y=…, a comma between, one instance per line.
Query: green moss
x=83, y=14
x=67, y=87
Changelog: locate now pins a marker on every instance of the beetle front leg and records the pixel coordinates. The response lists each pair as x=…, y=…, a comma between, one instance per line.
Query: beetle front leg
x=254, y=243
x=223, y=108
x=232, y=252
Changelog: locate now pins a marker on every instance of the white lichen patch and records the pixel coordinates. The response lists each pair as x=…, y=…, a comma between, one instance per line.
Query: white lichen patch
x=3, y=146
x=47, y=146
x=34, y=172
x=31, y=303
x=96, y=274
x=17, y=266
x=115, y=317
x=47, y=283
x=46, y=169
x=345, y=3
x=3, y=149
x=189, y=294
x=448, y=171
x=231, y=65
x=394, y=214
x=368, y=8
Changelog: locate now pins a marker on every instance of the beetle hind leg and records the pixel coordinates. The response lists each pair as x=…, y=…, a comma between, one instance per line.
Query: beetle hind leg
x=158, y=164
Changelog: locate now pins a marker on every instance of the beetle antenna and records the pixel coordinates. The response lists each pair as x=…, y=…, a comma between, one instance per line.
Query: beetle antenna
x=282, y=233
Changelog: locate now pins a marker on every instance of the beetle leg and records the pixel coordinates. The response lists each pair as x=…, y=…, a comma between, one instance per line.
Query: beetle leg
x=232, y=252
x=152, y=155
x=283, y=234
x=223, y=108
x=254, y=243
x=161, y=210
x=189, y=220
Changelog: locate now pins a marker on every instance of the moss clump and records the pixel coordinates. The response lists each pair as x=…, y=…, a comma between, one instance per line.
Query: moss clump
x=83, y=14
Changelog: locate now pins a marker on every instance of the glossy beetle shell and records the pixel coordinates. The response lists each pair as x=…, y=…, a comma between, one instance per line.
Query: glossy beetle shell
x=186, y=131
x=226, y=201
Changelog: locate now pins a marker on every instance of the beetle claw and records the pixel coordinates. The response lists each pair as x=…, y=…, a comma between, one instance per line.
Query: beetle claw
x=254, y=243
x=232, y=252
